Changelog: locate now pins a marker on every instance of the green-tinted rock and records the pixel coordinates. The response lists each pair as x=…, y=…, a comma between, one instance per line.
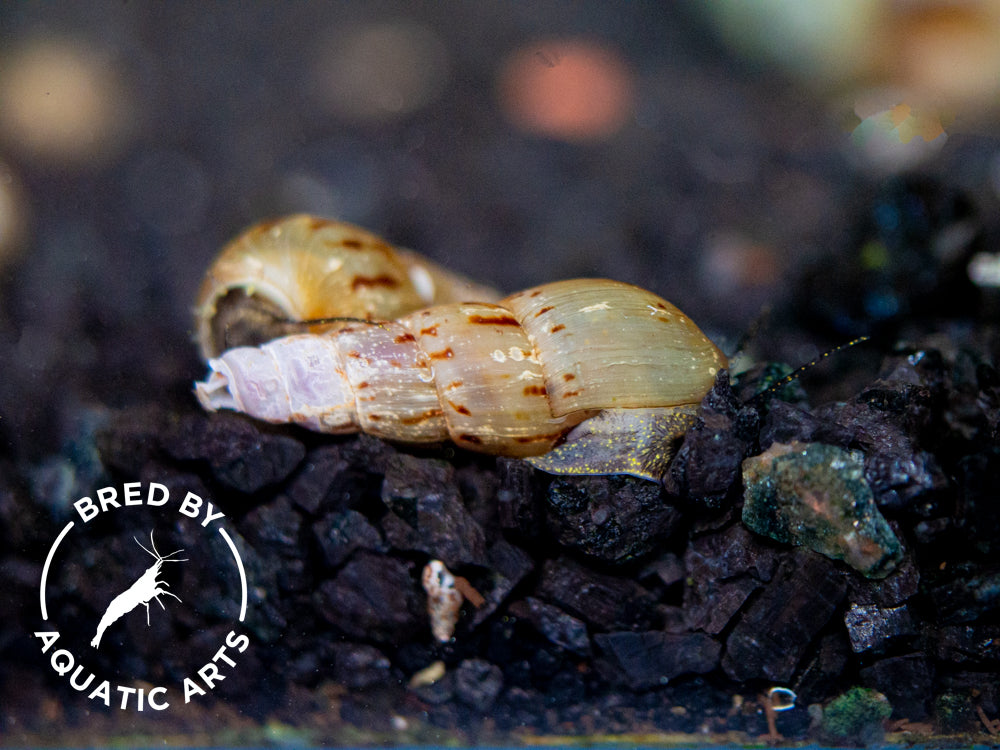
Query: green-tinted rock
x=816, y=496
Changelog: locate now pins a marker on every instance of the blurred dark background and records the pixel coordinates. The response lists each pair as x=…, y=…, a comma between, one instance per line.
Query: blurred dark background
x=710, y=152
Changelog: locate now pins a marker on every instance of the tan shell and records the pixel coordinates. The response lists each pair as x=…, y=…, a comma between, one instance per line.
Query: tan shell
x=605, y=344
x=301, y=268
x=589, y=376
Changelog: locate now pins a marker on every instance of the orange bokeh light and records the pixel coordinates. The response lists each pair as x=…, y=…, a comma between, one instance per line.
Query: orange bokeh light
x=566, y=89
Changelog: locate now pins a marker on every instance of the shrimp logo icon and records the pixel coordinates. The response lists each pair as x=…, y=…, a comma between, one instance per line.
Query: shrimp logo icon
x=146, y=588
x=97, y=577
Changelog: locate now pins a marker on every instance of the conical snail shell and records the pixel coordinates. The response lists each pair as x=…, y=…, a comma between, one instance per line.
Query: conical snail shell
x=303, y=268
x=516, y=378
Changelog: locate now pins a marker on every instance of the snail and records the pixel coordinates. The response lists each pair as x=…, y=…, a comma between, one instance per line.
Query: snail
x=277, y=274
x=586, y=376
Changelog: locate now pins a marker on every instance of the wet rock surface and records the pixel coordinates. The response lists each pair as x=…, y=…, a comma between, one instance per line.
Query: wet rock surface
x=871, y=627
x=816, y=495
x=614, y=519
x=775, y=631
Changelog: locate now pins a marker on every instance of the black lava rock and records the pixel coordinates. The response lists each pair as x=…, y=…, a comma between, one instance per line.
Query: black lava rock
x=723, y=570
x=507, y=567
x=965, y=593
x=339, y=534
x=559, y=628
x=650, y=659
x=241, y=454
x=373, y=597
x=358, y=666
x=773, y=634
x=324, y=480
x=427, y=512
x=614, y=519
x=976, y=646
x=478, y=683
x=874, y=628
x=606, y=602
x=905, y=681
x=707, y=465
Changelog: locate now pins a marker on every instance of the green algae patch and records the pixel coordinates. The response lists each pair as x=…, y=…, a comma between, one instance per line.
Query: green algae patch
x=857, y=716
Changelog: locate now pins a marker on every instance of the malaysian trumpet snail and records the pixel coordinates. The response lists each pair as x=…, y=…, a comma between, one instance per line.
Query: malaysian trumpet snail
x=587, y=376
x=277, y=274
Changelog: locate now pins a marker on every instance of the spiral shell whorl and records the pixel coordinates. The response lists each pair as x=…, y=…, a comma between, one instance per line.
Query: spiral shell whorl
x=303, y=268
x=606, y=344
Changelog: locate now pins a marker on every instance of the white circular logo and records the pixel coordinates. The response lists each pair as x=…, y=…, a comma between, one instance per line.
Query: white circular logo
x=143, y=582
